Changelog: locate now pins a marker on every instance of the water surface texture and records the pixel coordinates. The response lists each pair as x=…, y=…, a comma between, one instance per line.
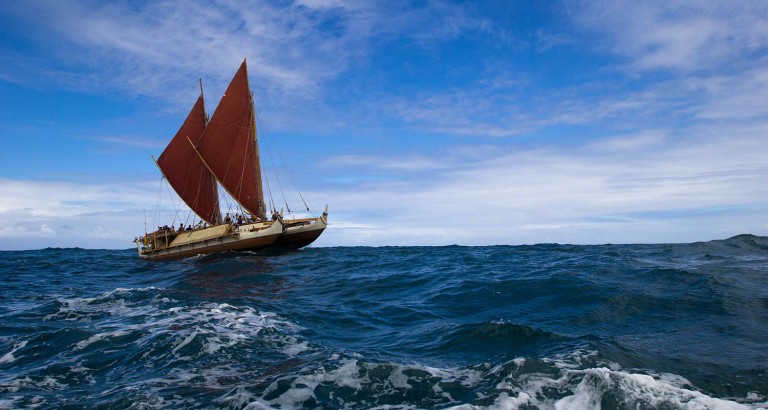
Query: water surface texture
x=528, y=327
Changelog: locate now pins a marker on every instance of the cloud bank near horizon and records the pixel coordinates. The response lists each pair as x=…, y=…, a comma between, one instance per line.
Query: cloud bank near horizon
x=588, y=195
x=656, y=131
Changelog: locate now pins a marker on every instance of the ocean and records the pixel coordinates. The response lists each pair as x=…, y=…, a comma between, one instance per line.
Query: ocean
x=662, y=326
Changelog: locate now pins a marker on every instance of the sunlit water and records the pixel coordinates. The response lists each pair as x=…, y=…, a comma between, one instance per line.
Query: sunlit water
x=544, y=326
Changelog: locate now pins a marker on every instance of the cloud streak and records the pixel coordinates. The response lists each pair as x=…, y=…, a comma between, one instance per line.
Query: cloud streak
x=592, y=194
x=661, y=133
x=683, y=36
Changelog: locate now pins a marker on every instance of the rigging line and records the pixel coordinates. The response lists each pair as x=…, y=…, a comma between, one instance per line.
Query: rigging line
x=290, y=175
x=274, y=169
x=176, y=208
x=224, y=197
x=293, y=179
x=239, y=187
x=250, y=142
x=196, y=202
x=157, y=207
x=261, y=205
x=266, y=176
x=200, y=181
x=269, y=190
x=277, y=178
x=271, y=162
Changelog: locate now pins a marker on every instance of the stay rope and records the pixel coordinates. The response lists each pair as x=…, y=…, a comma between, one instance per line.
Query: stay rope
x=269, y=145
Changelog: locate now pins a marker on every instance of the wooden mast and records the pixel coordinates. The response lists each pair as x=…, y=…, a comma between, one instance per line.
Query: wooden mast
x=262, y=211
x=227, y=147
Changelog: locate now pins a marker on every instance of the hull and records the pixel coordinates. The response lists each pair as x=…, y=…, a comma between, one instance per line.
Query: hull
x=222, y=238
x=302, y=232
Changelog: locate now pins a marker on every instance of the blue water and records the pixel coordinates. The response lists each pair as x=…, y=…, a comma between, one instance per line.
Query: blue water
x=542, y=326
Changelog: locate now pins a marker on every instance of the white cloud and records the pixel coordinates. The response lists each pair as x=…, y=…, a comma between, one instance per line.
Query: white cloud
x=642, y=140
x=39, y=214
x=395, y=163
x=735, y=97
x=705, y=184
x=19, y=231
x=650, y=193
x=685, y=145
x=161, y=48
x=678, y=35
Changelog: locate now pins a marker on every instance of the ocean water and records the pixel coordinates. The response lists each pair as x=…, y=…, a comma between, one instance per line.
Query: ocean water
x=681, y=326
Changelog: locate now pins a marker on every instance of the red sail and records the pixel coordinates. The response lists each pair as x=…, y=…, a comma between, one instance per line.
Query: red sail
x=228, y=145
x=186, y=172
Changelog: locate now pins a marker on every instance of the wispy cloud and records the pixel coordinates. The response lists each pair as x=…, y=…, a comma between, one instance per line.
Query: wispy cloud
x=159, y=48
x=75, y=214
x=679, y=35
x=669, y=119
x=411, y=163
x=620, y=193
x=136, y=142
x=623, y=191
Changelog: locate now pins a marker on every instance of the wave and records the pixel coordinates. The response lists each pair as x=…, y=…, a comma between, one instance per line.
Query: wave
x=542, y=326
x=501, y=338
x=744, y=244
x=559, y=383
x=134, y=337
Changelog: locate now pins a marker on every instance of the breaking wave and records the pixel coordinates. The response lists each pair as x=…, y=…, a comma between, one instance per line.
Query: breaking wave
x=503, y=327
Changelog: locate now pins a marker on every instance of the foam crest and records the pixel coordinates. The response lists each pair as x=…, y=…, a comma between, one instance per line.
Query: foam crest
x=573, y=388
x=140, y=328
x=557, y=383
x=99, y=337
x=120, y=302
x=27, y=382
x=350, y=382
x=213, y=327
x=9, y=357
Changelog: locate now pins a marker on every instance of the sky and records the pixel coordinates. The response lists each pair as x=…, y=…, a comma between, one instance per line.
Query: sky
x=417, y=122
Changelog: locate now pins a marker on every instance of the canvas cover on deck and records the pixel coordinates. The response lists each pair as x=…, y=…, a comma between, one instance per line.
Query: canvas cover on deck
x=200, y=235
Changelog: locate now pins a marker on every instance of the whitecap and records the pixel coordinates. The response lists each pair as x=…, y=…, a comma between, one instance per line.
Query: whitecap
x=557, y=383
x=99, y=337
x=9, y=357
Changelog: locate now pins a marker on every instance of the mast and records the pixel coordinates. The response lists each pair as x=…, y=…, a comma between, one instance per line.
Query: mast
x=228, y=148
x=218, y=219
x=257, y=164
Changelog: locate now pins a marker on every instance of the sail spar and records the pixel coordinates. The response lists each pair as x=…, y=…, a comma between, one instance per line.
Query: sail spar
x=186, y=172
x=229, y=148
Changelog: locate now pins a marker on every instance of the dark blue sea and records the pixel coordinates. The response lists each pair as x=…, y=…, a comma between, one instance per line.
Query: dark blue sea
x=681, y=326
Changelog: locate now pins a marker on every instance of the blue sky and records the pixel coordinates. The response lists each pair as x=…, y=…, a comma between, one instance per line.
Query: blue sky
x=418, y=123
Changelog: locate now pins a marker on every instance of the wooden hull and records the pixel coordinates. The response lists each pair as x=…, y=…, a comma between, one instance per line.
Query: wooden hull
x=298, y=233
x=244, y=238
x=291, y=233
